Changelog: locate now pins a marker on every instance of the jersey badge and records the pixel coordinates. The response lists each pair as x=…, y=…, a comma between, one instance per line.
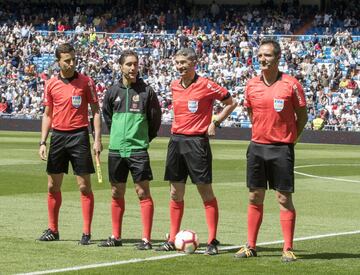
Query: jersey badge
x=135, y=98
x=278, y=104
x=134, y=107
x=76, y=101
x=135, y=104
x=193, y=105
x=118, y=99
x=92, y=90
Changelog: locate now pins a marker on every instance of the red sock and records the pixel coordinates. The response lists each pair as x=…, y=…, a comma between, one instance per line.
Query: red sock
x=117, y=213
x=87, y=205
x=287, y=220
x=255, y=215
x=212, y=218
x=54, y=203
x=147, y=213
x=176, y=213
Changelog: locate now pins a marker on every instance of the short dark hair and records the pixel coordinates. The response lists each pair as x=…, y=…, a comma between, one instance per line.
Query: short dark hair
x=63, y=48
x=125, y=54
x=188, y=53
x=276, y=45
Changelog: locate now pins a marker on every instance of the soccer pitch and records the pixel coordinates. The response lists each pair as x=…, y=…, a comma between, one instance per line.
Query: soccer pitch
x=327, y=199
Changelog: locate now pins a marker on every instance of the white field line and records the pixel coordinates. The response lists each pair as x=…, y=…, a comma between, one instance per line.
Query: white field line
x=75, y=268
x=327, y=164
x=298, y=239
x=155, y=258
x=326, y=178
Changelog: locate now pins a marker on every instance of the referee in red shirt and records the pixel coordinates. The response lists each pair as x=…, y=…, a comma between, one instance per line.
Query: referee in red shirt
x=277, y=108
x=189, y=152
x=66, y=100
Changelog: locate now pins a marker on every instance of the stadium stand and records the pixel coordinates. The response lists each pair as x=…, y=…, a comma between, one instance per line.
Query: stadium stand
x=325, y=59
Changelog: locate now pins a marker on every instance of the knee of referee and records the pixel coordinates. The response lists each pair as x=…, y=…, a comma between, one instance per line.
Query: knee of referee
x=54, y=189
x=285, y=200
x=118, y=190
x=85, y=189
x=256, y=196
x=177, y=191
x=176, y=196
x=143, y=193
x=142, y=189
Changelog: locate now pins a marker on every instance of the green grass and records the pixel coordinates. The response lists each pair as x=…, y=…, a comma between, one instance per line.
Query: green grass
x=323, y=206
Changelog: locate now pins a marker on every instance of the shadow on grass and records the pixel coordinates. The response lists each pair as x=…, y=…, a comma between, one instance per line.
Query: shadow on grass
x=126, y=242
x=274, y=249
x=329, y=256
x=130, y=241
x=260, y=249
x=300, y=254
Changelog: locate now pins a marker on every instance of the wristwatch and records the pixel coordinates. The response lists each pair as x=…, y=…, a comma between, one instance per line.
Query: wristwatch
x=216, y=123
x=42, y=143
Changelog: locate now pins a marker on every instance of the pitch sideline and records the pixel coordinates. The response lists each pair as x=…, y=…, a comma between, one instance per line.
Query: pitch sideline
x=75, y=268
x=325, y=178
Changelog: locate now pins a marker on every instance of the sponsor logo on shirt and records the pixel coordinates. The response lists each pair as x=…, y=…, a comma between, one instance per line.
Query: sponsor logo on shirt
x=193, y=105
x=214, y=89
x=135, y=98
x=135, y=104
x=44, y=97
x=134, y=107
x=278, y=104
x=118, y=99
x=296, y=90
x=76, y=101
x=92, y=90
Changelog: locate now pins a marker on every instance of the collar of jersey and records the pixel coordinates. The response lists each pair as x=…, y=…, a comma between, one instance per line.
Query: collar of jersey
x=132, y=85
x=68, y=80
x=193, y=81
x=279, y=76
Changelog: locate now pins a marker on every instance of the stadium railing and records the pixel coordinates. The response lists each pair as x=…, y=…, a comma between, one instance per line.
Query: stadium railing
x=343, y=128
x=301, y=37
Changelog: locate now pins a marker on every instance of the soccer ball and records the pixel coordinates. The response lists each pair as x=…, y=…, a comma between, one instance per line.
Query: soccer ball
x=186, y=241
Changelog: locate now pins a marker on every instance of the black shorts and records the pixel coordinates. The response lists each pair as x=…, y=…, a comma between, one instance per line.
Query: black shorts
x=138, y=164
x=270, y=163
x=73, y=146
x=189, y=155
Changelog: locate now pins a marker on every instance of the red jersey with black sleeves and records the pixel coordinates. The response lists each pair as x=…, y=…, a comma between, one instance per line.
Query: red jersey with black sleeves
x=193, y=105
x=273, y=108
x=69, y=99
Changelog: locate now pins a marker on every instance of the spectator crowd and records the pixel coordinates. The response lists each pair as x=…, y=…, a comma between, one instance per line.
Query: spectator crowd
x=226, y=41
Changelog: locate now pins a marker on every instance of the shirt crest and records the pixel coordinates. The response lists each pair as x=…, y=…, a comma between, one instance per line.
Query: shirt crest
x=278, y=104
x=76, y=101
x=193, y=106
